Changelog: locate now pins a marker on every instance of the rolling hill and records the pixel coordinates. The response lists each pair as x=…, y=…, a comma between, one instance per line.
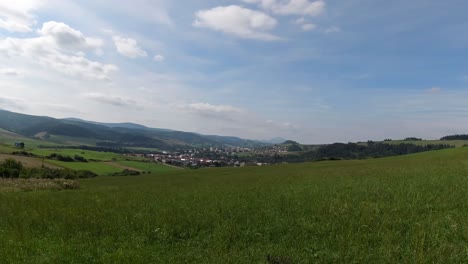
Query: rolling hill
x=116, y=135
x=407, y=209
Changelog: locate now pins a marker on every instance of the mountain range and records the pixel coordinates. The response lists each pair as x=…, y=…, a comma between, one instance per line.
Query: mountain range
x=116, y=135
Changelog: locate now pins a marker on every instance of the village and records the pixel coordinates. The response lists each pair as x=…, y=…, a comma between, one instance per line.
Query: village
x=214, y=156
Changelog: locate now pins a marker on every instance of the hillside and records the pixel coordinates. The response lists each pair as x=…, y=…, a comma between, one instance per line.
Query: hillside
x=407, y=209
x=112, y=134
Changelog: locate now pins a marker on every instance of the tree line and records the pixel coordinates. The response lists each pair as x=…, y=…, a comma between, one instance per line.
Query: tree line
x=341, y=151
x=455, y=137
x=11, y=168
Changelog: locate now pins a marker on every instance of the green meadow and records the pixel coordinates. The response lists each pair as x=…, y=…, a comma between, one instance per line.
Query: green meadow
x=87, y=154
x=406, y=209
x=101, y=163
x=147, y=166
x=96, y=167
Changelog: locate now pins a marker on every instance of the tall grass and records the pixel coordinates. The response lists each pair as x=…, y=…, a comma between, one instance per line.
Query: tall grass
x=409, y=209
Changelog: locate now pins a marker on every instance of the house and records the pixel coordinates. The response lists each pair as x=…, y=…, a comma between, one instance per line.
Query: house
x=19, y=144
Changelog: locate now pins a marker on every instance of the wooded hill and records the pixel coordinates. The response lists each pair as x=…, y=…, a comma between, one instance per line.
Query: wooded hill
x=114, y=135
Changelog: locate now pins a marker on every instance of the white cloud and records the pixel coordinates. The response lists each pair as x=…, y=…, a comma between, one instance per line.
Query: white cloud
x=128, y=47
x=10, y=72
x=291, y=7
x=333, y=29
x=60, y=48
x=308, y=27
x=225, y=112
x=11, y=103
x=205, y=107
x=111, y=100
x=159, y=58
x=238, y=21
x=16, y=16
x=68, y=38
x=305, y=25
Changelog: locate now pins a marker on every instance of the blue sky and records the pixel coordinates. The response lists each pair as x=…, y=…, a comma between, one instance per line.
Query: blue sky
x=309, y=70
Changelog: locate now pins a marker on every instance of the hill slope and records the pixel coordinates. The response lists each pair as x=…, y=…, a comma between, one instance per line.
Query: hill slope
x=113, y=135
x=407, y=209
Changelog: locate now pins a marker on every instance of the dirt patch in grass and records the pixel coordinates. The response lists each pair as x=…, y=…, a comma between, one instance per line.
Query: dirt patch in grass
x=14, y=185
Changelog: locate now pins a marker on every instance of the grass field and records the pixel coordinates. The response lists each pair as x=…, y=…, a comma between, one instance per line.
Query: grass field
x=29, y=161
x=99, y=168
x=147, y=166
x=95, y=155
x=407, y=209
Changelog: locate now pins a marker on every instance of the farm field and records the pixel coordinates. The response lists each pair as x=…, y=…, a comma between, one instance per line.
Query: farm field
x=406, y=209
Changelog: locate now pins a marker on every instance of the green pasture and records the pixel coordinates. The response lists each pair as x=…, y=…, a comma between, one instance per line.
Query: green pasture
x=147, y=166
x=88, y=154
x=96, y=167
x=406, y=209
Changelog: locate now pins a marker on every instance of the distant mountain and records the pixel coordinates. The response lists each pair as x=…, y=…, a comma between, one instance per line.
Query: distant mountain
x=115, y=125
x=114, y=134
x=277, y=140
x=235, y=141
x=290, y=142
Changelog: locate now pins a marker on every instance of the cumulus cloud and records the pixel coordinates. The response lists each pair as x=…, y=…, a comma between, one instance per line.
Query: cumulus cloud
x=16, y=16
x=111, y=100
x=238, y=21
x=50, y=50
x=128, y=47
x=68, y=38
x=159, y=58
x=291, y=7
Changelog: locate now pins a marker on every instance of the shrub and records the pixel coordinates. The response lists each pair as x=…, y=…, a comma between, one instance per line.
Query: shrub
x=10, y=168
x=23, y=153
x=80, y=159
x=59, y=157
x=127, y=172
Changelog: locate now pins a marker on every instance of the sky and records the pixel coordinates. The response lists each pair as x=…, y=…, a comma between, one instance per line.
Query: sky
x=315, y=71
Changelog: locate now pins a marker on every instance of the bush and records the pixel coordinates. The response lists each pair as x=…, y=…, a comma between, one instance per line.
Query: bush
x=55, y=156
x=47, y=173
x=23, y=153
x=127, y=172
x=80, y=159
x=10, y=168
